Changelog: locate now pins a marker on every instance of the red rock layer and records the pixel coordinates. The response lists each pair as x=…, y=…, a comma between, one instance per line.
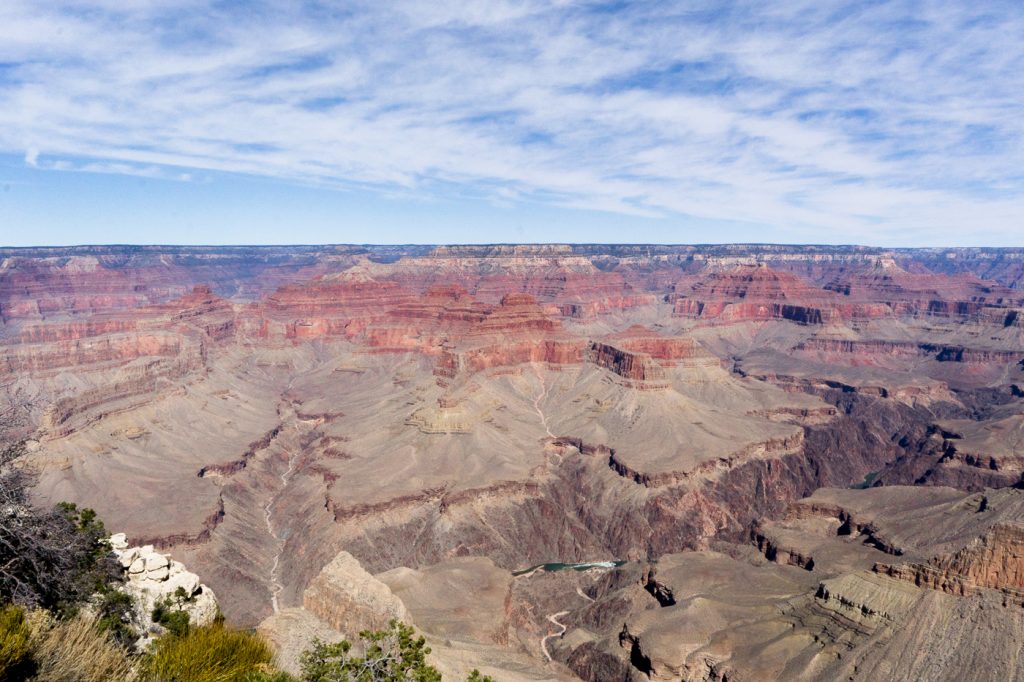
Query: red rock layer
x=37, y=288
x=871, y=289
x=111, y=348
x=552, y=351
x=73, y=331
x=636, y=367
x=44, y=283
x=995, y=560
x=126, y=357
x=739, y=312
x=516, y=315
x=165, y=330
x=326, y=307
x=667, y=349
x=754, y=293
x=472, y=337
x=200, y=310
x=925, y=293
x=871, y=349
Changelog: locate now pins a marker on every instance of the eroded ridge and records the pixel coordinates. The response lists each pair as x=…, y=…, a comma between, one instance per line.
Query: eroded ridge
x=822, y=443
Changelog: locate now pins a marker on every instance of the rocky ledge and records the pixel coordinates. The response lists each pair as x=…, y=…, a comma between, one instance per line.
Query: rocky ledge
x=152, y=578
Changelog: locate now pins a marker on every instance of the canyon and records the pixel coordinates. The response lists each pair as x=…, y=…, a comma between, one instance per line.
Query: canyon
x=780, y=462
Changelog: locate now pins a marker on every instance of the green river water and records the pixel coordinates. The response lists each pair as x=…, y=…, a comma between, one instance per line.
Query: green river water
x=575, y=567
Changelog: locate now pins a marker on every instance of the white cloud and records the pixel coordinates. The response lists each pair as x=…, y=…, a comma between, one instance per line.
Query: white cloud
x=885, y=121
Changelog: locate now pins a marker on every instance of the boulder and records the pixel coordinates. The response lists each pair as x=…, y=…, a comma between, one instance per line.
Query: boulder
x=127, y=556
x=119, y=541
x=156, y=561
x=158, y=574
x=187, y=581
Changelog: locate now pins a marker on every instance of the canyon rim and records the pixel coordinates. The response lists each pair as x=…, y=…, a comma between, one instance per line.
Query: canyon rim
x=558, y=462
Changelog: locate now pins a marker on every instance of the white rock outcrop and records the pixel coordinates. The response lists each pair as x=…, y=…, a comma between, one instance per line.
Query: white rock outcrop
x=151, y=577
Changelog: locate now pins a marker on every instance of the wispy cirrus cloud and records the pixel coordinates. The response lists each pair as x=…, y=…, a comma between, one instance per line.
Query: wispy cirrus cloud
x=895, y=121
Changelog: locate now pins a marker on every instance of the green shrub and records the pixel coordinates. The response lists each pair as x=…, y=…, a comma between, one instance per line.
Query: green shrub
x=114, y=610
x=93, y=559
x=391, y=654
x=167, y=613
x=15, y=655
x=210, y=653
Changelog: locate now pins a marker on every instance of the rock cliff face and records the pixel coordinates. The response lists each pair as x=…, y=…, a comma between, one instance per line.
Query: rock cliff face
x=729, y=614
x=865, y=351
x=924, y=293
x=341, y=424
x=636, y=367
x=128, y=387
x=754, y=293
x=994, y=560
x=336, y=306
x=351, y=600
x=152, y=578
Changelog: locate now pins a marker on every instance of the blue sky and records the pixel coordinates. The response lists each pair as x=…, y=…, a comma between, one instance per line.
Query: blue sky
x=158, y=121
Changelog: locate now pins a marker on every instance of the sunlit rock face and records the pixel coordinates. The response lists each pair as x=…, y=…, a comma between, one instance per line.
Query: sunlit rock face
x=154, y=579
x=304, y=426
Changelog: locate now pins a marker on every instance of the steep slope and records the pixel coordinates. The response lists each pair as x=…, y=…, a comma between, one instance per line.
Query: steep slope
x=448, y=415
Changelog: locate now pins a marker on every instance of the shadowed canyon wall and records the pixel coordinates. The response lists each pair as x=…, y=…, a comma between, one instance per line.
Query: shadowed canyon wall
x=263, y=411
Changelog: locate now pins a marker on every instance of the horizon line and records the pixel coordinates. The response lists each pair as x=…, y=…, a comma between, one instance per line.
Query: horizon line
x=497, y=244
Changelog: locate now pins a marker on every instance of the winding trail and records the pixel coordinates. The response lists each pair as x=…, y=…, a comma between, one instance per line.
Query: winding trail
x=540, y=396
x=544, y=640
x=275, y=582
x=583, y=594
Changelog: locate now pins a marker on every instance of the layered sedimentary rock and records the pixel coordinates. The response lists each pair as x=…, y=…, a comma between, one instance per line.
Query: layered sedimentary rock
x=330, y=306
x=349, y=599
x=730, y=614
x=668, y=350
x=443, y=416
x=103, y=349
x=978, y=546
x=515, y=331
x=636, y=367
x=865, y=351
x=925, y=293
x=46, y=282
x=641, y=356
x=994, y=560
x=754, y=293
